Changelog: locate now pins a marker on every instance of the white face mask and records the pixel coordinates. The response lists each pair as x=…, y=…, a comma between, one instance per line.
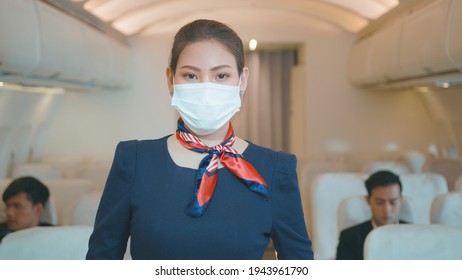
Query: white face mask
x=205, y=107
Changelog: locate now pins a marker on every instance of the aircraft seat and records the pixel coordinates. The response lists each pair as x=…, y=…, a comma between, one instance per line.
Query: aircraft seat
x=86, y=208
x=326, y=192
x=67, y=193
x=309, y=171
x=37, y=170
x=414, y=159
x=93, y=168
x=420, y=189
x=451, y=169
x=447, y=209
x=46, y=243
x=458, y=184
x=396, y=167
x=414, y=242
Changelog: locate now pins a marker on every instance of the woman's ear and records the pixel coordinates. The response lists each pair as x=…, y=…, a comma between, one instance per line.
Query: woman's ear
x=244, y=78
x=169, y=74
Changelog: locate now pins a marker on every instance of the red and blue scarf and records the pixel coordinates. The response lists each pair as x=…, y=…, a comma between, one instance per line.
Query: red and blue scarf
x=207, y=174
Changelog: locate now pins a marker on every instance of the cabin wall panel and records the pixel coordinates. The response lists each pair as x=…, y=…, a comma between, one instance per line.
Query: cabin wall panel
x=364, y=123
x=444, y=107
x=22, y=116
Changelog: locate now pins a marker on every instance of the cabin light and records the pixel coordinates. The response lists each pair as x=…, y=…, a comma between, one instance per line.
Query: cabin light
x=1, y=84
x=370, y=9
x=253, y=44
x=442, y=84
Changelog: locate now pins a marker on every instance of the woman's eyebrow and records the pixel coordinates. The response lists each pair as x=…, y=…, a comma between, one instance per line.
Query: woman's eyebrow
x=221, y=67
x=190, y=67
x=198, y=69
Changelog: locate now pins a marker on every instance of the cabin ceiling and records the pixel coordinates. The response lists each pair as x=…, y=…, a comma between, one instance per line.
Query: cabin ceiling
x=145, y=17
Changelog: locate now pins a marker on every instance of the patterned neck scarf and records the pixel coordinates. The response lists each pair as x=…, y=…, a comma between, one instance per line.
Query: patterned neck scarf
x=207, y=174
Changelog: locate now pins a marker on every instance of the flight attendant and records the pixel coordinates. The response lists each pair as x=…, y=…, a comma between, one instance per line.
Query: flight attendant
x=203, y=192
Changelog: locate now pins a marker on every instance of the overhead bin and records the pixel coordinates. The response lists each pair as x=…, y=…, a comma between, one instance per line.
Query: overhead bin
x=107, y=62
x=358, y=63
x=416, y=48
x=43, y=46
x=61, y=46
x=19, y=33
x=123, y=65
x=375, y=59
x=97, y=57
x=384, y=54
x=423, y=41
x=455, y=33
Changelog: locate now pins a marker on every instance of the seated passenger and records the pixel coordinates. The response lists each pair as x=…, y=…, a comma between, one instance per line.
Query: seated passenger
x=25, y=199
x=384, y=197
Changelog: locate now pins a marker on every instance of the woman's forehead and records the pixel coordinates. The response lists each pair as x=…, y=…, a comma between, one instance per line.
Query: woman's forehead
x=206, y=52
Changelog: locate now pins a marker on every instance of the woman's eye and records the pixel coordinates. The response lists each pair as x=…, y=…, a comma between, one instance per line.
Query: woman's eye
x=190, y=76
x=222, y=76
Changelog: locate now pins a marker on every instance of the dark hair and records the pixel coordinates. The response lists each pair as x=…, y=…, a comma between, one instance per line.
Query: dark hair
x=382, y=178
x=36, y=191
x=203, y=29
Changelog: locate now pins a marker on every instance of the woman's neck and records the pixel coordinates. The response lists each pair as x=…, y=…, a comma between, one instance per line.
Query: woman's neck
x=214, y=138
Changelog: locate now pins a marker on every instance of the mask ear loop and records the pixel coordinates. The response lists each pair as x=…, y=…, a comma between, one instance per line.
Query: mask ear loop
x=241, y=92
x=173, y=84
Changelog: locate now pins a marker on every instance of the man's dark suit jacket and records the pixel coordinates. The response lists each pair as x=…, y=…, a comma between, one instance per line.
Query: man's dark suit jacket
x=351, y=243
x=4, y=229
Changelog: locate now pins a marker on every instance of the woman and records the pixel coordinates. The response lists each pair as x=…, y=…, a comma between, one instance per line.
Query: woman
x=201, y=193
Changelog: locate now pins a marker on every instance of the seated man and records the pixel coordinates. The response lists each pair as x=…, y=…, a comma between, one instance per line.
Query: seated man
x=25, y=199
x=384, y=197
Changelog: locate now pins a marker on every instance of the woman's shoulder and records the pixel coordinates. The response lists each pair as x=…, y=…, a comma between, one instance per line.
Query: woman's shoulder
x=139, y=152
x=133, y=150
x=254, y=150
x=278, y=163
x=145, y=143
